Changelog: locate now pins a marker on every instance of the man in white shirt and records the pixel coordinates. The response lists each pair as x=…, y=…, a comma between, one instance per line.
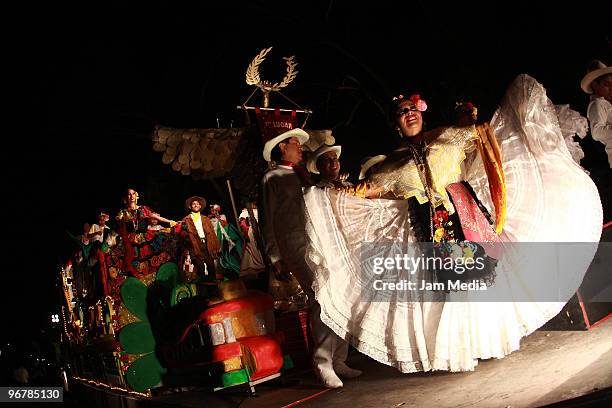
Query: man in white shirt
x=283, y=221
x=100, y=233
x=598, y=83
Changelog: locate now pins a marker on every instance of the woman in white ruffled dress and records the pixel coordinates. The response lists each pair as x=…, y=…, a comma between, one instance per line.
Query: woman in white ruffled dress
x=521, y=173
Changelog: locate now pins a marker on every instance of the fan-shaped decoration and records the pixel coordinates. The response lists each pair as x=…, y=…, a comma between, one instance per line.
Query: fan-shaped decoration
x=176, y=166
x=203, y=153
x=229, y=153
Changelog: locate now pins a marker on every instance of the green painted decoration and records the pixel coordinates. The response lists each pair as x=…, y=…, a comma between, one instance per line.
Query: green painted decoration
x=168, y=274
x=134, y=297
x=145, y=373
x=235, y=378
x=137, y=338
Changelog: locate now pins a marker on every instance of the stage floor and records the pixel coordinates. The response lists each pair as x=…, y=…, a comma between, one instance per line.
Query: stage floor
x=551, y=366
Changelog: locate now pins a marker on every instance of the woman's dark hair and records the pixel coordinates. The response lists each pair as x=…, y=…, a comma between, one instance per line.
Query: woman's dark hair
x=393, y=107
x=124, y=199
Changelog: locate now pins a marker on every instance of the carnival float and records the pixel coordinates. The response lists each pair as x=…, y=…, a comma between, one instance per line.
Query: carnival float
x=142, y=313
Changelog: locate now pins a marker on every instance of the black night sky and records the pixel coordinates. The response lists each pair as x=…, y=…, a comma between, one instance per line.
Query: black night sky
x=95, y=81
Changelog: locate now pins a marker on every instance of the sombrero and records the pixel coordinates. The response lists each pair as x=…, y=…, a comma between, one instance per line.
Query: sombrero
x=190, y=200
x=103, y=214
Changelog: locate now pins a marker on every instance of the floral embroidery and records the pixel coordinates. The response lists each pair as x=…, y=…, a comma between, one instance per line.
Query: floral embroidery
x=155, y=262
x=444, y=156
x=443, y=227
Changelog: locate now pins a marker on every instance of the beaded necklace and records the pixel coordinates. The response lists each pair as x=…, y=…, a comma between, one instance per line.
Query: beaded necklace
x=133, y=217
x=439, y=225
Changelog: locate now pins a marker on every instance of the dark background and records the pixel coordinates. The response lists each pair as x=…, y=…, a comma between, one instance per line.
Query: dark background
x=92, y=82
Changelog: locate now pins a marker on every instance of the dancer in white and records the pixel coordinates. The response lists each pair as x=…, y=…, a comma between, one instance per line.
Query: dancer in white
x=442, y=184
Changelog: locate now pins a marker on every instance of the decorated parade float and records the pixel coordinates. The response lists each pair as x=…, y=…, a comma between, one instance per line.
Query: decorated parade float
x=145, y=311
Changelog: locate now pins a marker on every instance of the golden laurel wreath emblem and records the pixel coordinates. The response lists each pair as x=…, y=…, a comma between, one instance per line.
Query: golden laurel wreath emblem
x=253, y=77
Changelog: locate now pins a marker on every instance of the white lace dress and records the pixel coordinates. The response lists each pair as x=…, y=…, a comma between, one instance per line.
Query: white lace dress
x=549, y=199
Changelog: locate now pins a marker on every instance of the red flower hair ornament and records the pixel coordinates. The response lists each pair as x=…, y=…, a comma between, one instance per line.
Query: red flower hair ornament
x=419, y=103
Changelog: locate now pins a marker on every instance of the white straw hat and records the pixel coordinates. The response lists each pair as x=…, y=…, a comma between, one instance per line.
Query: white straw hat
x=311, y=165
x=595, y=70
x=370, y=161
x=301, y=135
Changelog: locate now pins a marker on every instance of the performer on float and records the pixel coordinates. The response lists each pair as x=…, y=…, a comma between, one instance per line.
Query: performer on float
x=284, y=235
x=154, y=225
x=102, y=233
x=443, y=183
x=84, y=239
x=252, y=261
x=598, y=83
x=229, y=240
x=466, y=113
x=243, y=223
x=137, y=216
x=204, y=248
x=102, y=237
x=325, y=162
x=369, y=165
x=216, y=216
x=133, y=229
x=84, y=279
x=99, y=231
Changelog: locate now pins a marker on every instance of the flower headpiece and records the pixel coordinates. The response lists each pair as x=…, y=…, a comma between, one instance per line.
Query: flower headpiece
x=467, y=107
x=419, y=103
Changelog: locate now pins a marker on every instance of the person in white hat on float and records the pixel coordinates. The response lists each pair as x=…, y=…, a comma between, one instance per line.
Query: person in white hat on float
x=369, y=165
x=326, y=164
x=283, y=222
x=598, y=83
